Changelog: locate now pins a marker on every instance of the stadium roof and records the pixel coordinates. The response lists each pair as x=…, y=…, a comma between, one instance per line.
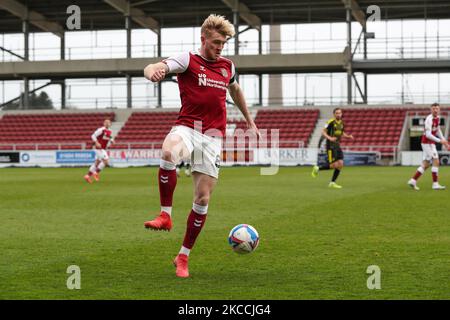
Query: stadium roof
x=50, y=15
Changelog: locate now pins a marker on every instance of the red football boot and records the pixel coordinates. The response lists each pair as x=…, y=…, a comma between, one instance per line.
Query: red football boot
x=181, y=263
x=96, y=176
x=87, y=178
x=161, y=222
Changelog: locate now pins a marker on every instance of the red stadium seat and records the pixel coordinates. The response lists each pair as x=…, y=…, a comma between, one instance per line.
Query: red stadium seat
x=36, y=131
x=383, y=128
x=144, y=129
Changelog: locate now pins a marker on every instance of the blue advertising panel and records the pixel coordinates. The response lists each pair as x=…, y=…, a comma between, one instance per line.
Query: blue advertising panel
x=75, y=157
x=353, y=158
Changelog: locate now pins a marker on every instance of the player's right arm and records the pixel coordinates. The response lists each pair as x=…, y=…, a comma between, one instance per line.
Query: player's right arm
x=325, y=132
x=429, y=134
x=176, y=64
x=156, y=72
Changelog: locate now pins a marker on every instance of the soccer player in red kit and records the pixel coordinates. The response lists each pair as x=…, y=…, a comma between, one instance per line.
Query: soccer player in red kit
x=431, y=136
x=101, y=138
x=203, y=79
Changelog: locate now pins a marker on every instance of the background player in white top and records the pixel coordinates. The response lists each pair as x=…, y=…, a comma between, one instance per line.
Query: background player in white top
x=431, y=136
x=204, y=77
x=102, y=138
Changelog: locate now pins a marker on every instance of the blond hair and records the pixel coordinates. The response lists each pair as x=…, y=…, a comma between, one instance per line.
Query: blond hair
x=219, y=24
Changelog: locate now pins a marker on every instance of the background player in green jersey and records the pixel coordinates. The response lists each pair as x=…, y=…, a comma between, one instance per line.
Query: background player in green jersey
x=333, y=132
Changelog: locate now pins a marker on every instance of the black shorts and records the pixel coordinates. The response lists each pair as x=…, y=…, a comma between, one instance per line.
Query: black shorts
x=334, y=154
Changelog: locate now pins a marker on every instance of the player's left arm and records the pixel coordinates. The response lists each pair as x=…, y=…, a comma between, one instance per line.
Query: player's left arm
x=441, y=136
x=237, y=95
x=349, y=136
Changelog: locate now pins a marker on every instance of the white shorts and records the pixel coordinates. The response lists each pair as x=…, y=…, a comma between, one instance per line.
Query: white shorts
x=101, y=154
x=429, y=151
x=205, y=151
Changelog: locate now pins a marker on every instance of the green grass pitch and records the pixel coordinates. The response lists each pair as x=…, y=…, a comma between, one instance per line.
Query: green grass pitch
x=316, y=242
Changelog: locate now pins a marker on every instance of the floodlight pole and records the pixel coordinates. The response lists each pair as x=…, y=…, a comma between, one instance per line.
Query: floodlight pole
x=159, y=85
x=128, y=77
x=128, y=30
x=365, y=58
x=236, y=29
x=63, y=81
x=260, y=94
x=236, y=35
x=348, y=8
x=26, y=32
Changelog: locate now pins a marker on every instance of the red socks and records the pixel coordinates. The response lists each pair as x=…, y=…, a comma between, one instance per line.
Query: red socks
x=435, y=174
x=167, y=182
x=195, y=224
x=167, y=179
x=419, y=173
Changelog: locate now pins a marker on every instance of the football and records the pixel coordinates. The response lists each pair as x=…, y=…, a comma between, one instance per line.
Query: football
x=243, y=238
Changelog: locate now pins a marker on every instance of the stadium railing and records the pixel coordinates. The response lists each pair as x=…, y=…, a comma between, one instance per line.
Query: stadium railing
x=386, y=152
x=141, y=145
x=42, y=146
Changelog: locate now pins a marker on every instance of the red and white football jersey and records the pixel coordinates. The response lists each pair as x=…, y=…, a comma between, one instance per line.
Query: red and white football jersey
x=103, y=136
x=203, y=88
x=432, y=126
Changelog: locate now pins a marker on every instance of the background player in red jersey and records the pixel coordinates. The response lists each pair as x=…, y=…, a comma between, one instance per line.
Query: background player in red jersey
x=101, y=138
x=431, y=136
x=204, y=77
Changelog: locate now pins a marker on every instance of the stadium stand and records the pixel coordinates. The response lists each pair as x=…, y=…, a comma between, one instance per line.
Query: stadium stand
x=145, y=130
x=374, y=129
x=148, y=129
x=295, y=127
x=50, y=131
